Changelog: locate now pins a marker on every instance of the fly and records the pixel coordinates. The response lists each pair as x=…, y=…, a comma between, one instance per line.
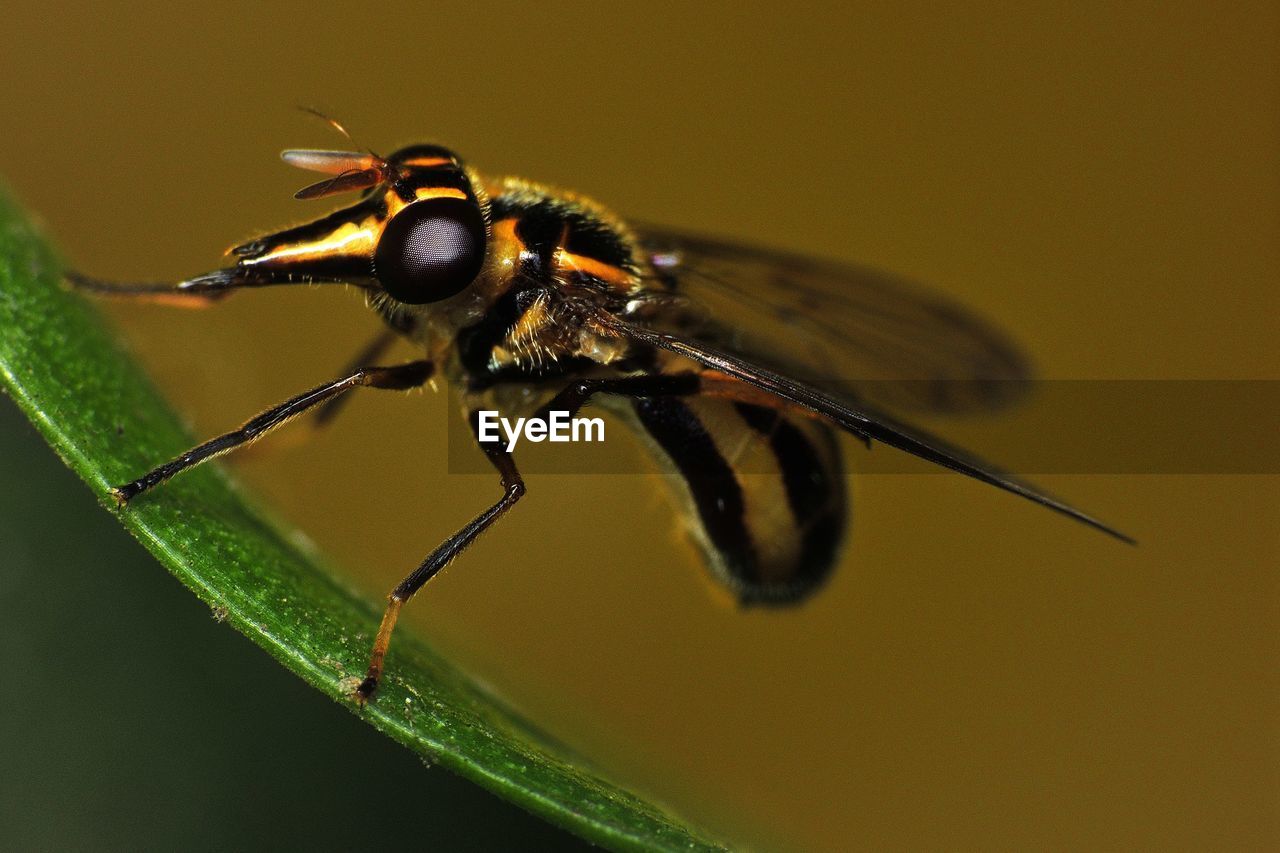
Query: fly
x=705, y=347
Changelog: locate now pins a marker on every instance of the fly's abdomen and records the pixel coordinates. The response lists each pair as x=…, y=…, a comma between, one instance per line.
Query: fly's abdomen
x=763, y=492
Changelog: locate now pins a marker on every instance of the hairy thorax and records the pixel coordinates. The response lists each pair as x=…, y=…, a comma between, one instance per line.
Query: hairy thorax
x=554, y=257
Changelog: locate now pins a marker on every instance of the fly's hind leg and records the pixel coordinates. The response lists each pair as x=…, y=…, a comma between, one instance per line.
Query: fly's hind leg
x=512, y=490
x=710, y=383
x=576, y=395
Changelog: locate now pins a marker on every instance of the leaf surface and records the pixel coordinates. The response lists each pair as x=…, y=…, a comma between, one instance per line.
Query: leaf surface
x=108, y=423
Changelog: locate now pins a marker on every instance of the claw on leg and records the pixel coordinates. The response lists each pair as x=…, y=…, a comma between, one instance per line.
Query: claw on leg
x=364, y=690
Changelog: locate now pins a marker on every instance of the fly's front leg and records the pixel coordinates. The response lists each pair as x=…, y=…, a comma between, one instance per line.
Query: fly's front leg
x=401, y=377
x=512, y=491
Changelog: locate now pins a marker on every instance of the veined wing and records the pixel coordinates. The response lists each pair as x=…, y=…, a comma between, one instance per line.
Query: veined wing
x=853, y=416
x=854, y=331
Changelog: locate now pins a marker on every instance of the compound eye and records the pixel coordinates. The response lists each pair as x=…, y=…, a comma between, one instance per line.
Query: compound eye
x=431, y=250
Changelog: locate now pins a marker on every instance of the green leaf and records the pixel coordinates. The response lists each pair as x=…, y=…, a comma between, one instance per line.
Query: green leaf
x=108, y=423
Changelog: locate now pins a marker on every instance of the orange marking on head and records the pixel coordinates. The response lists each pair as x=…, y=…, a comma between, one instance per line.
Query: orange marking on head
x=428, y=162
x=349, y=239
x=439, y=192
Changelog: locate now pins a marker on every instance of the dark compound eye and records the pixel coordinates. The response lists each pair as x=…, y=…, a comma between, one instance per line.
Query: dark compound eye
x=431, y=250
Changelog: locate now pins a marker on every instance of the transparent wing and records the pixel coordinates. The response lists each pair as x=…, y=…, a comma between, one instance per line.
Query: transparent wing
x=854, y=331
x=854, y=417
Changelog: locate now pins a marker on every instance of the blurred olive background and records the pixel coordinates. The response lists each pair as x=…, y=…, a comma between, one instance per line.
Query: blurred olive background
x=1101, y=180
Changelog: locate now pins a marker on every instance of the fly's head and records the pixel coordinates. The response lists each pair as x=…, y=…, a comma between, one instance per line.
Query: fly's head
x=417, y=236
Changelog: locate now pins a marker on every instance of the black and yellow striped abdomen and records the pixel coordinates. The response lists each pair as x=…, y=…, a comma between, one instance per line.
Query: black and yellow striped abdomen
x=763, y=491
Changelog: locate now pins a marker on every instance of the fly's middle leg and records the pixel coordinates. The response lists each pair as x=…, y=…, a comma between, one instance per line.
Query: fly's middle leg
x=571, y=398
x=576, y=395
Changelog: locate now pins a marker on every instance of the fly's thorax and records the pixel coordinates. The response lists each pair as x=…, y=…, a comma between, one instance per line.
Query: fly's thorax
x=570, y=238
x=553, y=259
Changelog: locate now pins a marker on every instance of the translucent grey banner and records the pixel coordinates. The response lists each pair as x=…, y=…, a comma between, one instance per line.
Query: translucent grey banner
x=1048, y=427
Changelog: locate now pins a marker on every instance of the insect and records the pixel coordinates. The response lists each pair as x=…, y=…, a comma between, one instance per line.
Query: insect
x=539, y=300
